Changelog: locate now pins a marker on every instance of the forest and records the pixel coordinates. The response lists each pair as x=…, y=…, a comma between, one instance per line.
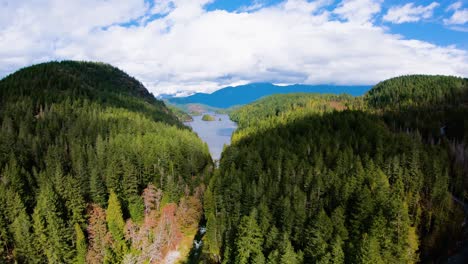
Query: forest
x=340, y=179
x=93, y=169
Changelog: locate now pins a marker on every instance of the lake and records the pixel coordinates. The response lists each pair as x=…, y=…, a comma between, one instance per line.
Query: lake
x=215, y=133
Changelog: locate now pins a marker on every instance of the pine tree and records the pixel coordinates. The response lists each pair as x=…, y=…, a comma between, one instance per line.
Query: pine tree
x=369, y=251
x=287, y=254
x=115, y=224
x=337, y=253
x=211, y=239
x=21, y=229
x=130, y=180
x=318, y=235
x=249, y=240
x=80, y=245
x=97, y=187
x=4, y=237
x=52, y=235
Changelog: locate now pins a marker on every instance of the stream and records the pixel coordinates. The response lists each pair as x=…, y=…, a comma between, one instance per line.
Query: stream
x=197, y=247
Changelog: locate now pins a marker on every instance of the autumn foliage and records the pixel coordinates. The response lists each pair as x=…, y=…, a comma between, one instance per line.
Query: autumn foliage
x=160, y=232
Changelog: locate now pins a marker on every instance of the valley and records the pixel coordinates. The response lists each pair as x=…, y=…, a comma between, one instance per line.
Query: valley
x=94, y=169
x=233, y=132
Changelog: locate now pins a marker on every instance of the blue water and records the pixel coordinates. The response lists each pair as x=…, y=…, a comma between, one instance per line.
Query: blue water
x=215, y=133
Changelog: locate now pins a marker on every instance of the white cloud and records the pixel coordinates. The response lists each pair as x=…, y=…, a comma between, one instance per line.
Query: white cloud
x=359, y=11
x=304, y=5
x=187, y=48
x=409, y=13
x=459, y=16
x=254, y=6
x=455, y=6
x=162, y=7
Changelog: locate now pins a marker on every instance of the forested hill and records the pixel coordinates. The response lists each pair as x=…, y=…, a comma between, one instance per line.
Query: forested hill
x=419, y=91
x=52, y=82
x=336, y=179
x=435, y=106
x=93, y=169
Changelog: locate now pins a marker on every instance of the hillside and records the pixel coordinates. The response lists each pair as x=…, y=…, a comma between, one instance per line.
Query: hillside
x=244, y=94
x=52, y=82
x=93, y=168
x=436, y=106
x=330, y=179
x=419, y=91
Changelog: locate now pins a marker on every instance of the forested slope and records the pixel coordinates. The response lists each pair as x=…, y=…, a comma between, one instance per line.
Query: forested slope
x=418, y=91
x=93, y=168
x=336, y=179
x=440, y=117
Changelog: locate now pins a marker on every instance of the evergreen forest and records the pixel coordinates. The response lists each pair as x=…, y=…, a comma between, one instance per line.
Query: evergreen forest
x=94, y=169
x=338, y=179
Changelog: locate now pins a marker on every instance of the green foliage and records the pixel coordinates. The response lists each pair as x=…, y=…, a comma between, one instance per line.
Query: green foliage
x=277, y=110
x=417, y=91
x=308, y=179
x=114, y=217
x=115, y=224
x=53, y=237
x=136, y=208
x=81, y=246
x=212, y=238
x=207, y=117
x=69, y=133
x=249, y=241
x=181, y=114
x=407, y=101
x=331, y=181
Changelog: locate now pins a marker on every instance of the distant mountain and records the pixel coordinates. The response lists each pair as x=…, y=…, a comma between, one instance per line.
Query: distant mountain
x=244, y=94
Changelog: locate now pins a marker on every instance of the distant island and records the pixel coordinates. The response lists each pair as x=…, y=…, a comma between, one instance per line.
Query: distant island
x=207, y=117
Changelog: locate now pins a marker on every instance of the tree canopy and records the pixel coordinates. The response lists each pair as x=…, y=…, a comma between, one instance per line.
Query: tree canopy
x=77, y=138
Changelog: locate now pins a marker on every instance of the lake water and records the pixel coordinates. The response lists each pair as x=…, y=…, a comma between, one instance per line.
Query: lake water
x=215, y=133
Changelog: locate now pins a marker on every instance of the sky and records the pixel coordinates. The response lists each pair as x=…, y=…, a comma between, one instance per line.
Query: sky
x=186, y=46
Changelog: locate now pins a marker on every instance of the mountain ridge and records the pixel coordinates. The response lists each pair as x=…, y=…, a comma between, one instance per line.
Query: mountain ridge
x=244, y=94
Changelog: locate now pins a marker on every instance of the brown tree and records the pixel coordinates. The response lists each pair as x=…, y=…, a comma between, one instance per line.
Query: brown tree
x=97, y=234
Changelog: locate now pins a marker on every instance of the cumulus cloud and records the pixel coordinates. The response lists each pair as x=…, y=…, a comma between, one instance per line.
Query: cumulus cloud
x=359, y=11
x=409, y=13
x=177, y=45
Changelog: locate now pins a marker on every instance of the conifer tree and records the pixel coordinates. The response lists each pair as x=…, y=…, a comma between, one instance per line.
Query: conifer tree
x=51, y=233
x=249, y=240
x=115, y=224
x=81, y=247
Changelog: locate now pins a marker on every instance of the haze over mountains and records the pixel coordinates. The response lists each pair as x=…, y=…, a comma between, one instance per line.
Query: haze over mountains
x=244, y=94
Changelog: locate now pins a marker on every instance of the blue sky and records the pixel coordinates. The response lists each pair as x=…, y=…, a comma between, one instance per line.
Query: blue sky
x=432, y=30
x=184, y=46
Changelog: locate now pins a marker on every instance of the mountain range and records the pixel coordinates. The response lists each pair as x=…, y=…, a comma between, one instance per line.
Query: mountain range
x=244, y=94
